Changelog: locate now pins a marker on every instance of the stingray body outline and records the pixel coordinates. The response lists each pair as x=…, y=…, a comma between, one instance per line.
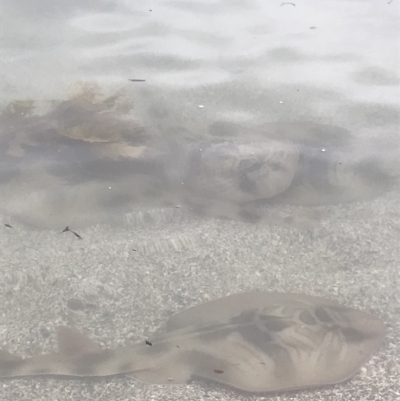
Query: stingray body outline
x=256, y=342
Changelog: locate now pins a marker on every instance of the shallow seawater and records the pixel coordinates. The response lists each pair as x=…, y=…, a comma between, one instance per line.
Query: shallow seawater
x=90, y=158
x=194, y=150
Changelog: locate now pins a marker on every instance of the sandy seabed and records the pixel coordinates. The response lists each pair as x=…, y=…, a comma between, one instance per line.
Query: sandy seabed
x=120, y=283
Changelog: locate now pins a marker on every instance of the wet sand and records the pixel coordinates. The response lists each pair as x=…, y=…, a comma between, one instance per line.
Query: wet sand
x=120, y=283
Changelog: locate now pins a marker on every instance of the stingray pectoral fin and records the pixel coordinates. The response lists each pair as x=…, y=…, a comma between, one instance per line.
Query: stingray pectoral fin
x=167, y=373
x=72, y=343
x=170, y=367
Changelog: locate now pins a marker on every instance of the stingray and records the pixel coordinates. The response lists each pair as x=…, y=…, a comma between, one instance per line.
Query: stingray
x=88, y=144
x=256, y=342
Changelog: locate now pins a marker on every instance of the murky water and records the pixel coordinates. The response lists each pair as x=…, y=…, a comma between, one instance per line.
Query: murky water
x=80, y=142
x=138, y=114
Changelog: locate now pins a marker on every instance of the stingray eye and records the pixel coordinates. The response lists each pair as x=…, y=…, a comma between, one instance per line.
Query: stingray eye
x=274, y=323
x=275, y=166
x=322, y=315
x=249, y=166
x=307, y=318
